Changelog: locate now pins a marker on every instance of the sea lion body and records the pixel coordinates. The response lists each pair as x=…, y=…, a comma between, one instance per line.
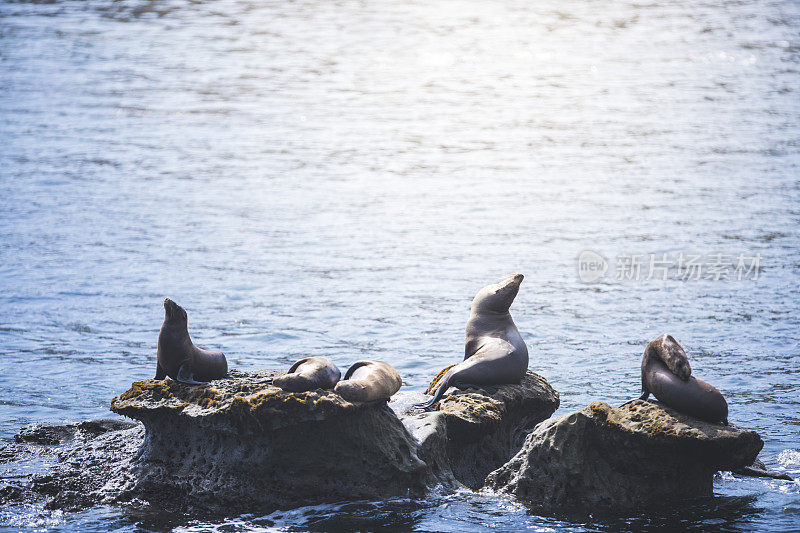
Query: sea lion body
x=494, y=352
x=667, y=375
x=309, y=374
x=368, y=381
x=179, y=358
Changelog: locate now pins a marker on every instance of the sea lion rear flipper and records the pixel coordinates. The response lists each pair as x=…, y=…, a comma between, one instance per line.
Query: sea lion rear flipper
x=353, y=368
x=298, y=363
x=186, y=376
x=160, y=373
x=428, y=406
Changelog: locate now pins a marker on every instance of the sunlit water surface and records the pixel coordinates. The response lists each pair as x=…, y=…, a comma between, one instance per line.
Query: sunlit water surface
x=339, y=178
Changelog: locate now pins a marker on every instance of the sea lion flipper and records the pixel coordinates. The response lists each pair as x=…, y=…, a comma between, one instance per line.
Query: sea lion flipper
x=160, y=372
x=186, y=376
x=645, y=395
x=353, y=368
x=298, y=363
x=443, y=386
x=470, y=347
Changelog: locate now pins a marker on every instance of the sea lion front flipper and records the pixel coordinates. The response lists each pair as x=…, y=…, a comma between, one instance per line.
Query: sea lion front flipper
x=186, y=376
x=645, y=395
x=160, y=372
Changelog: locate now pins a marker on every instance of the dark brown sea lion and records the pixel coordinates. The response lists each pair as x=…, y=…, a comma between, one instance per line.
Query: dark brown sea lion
x=179, y=358
x=494, y=352
x=309, y=374
x=367, y=381
x=667, y=375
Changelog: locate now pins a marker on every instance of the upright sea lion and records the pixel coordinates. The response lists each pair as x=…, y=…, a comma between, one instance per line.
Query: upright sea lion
x=309, y=374
x=494, y=352
x=367, y=381
x=667, y=375
x=179, y=358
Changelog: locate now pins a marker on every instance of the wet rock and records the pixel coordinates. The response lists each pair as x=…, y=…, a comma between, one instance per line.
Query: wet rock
x=45, y=462
x=241, y=445
x=637, y=455
x=11, y=493
x=759, y=469
x=476, y=429
x=97, y=470
x=44, y=434
x=53, y=434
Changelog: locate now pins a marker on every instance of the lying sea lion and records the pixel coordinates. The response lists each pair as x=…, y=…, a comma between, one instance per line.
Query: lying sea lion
x=494, y=352
x=667, y=375
x=309, y=374
x=179, y=358
x=367, y=381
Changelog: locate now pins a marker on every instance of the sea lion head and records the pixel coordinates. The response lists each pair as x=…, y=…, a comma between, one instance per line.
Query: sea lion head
x=674, y=357
x=497, y=298
x=174, y=313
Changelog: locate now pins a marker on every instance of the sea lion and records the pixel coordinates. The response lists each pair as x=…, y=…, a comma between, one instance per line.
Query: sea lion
x=494, y=352
x=667, y=375
x=309, y=374
x=179, y=358
x=367, y=381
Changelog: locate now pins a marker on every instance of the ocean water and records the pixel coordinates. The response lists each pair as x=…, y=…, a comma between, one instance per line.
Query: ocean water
x=339, y=179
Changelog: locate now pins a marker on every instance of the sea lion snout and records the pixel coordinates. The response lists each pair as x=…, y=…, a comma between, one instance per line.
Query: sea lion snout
x=173, y=310
x=514, y=279
x=497, y=298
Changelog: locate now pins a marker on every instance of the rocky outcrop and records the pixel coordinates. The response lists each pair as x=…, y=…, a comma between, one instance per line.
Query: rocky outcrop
x=618, y=459
x=475, y=430
x=240, y=444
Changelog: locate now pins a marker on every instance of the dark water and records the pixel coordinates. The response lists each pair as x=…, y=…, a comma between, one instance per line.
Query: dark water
x=339, y=178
